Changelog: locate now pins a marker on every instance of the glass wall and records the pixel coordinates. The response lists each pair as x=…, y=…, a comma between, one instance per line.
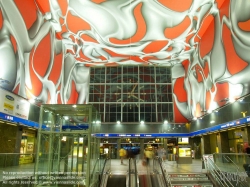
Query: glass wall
x=66, y=146
x=132, y=93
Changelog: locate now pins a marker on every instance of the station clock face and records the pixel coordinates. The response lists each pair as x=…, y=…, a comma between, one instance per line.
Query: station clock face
x=131, y=91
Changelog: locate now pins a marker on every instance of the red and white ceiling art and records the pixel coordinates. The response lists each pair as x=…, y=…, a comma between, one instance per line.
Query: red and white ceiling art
x=46, y=52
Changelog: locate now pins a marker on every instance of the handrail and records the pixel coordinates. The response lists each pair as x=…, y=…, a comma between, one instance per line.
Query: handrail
x=102, y=173
x=129, y=173
x=216, y=173
x=136, y=174
x=159, y=162
x=237, y=169
x=132, y=172
x=92, y=173
x=228, y=158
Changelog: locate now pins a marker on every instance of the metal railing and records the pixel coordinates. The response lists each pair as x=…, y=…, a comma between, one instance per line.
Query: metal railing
x=105, y=172
x=132, y=174
x=158, y=169
x=218, y=176
x=227, y=169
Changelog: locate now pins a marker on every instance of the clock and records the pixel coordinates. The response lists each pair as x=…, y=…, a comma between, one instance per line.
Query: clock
x=131, y=92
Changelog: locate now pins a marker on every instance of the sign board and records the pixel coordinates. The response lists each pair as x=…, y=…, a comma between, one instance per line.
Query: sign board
x=14, y=105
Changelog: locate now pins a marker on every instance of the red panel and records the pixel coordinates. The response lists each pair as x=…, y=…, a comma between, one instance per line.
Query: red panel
x=155, y=46
x=185, y=64
x=177, y=5
x=224, y=9
x=231, y=55
x=245, y=26
x=16, y=90
x=179, y=118
x=179, y=90
x=63, y=5
x=56, y=69
x=13, y=42
x=74, y=94
x=27, y=10
x=98, y=1
x=76, y=24
x=43, y=5
x=222, y=92
x=141, y=26
x=1, y=19
x=176, y=31
x=206, y=42
x=42, y=56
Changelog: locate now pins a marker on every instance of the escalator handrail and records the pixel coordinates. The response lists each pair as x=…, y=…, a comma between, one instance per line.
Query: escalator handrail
x=129, y=173
x=136, y=174
x=103, y=169
x=158, y=159
x=132, y=161
x=92, y=173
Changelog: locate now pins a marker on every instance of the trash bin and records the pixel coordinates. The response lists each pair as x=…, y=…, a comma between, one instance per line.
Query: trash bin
x=171, y=157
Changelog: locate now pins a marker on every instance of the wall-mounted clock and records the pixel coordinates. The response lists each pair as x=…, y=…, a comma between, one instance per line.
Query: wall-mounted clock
x=131, y=92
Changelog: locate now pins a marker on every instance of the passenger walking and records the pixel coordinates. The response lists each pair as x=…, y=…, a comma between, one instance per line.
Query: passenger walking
x=122, y=154
x=149, y=154
x=161, y=152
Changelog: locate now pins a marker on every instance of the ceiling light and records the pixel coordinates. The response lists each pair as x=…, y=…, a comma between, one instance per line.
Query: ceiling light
x=118, y=122
x=74, y=106
x=142, y=122
x=195, y=118
x=166, y=122
x=212, y=121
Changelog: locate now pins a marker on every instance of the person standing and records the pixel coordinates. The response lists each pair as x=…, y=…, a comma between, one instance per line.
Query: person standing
x=161, y=152
x=122, y=154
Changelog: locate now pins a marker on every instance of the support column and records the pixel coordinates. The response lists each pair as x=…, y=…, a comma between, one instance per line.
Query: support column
x=141, y=148
x=118, y=147
x=225, y=148
x=165, y=146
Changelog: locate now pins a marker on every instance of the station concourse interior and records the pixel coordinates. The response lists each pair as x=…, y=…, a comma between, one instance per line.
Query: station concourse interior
x=81, y=79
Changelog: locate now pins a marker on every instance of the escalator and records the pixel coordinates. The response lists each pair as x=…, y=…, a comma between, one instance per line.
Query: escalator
x=154, y=176
x=149, y=181
x=116, y=180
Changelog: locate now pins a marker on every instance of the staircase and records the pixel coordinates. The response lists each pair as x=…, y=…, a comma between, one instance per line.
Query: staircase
x=188, y=180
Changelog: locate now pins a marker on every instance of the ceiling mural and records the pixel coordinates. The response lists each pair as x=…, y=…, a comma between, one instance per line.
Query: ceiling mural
x=47, y=52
